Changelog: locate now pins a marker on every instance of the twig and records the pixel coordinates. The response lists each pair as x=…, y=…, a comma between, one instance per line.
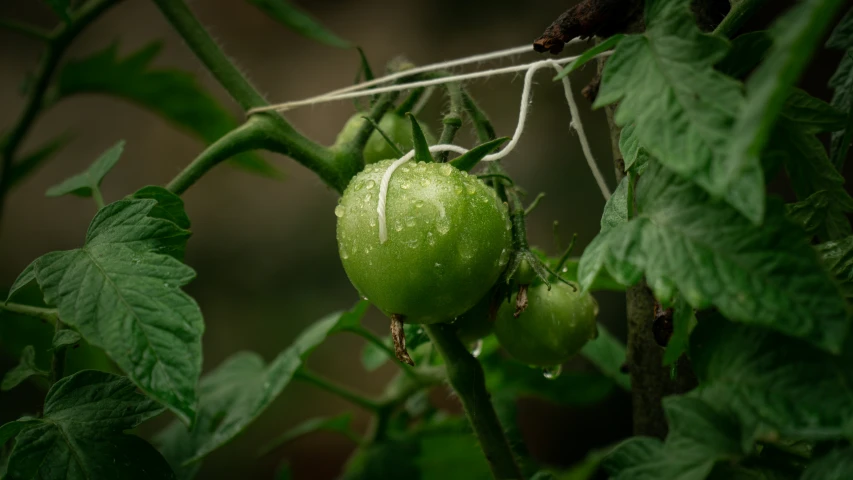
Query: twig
x=331, y=387
x=47, y=314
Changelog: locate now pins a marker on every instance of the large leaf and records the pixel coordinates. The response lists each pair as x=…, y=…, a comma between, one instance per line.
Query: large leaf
x=81, y=434
x=795, y=36
x=239, y=390
x=173, y=94
x=811, y=213
x=284, y=12
x=842, y=83
x=699, y=437
x=766, y=275
x=772, y=381
x=747, y=51
x=124, y=295
x=838, y=257
x=85, y=183
x=805, y=159
x=683, y=322
x=682, y=109
x=25, y=369
x=837, y=465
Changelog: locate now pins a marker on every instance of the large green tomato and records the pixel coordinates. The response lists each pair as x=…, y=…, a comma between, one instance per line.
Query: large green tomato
x=556, y=325
x=448, y=240
x=398, y=129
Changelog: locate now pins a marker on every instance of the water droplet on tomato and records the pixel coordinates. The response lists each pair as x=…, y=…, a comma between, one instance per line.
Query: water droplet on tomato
x=339, y=211
x=370, y=184
x=552, y=373
x=477, y=348
x=445, y=170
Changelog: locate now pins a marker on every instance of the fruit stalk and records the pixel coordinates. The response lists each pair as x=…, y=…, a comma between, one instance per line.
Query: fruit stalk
x=468, y=380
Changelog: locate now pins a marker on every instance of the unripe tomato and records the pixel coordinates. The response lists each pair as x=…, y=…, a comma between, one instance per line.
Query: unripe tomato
x=398, y=129
x=448, y=240
x=554, y=327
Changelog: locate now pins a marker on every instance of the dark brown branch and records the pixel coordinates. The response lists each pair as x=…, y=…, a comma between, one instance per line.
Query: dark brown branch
x=586, y=19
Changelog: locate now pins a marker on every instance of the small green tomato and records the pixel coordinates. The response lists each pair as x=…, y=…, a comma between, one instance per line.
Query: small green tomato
x=555, y=326
x=448, y=240
x=398, y=129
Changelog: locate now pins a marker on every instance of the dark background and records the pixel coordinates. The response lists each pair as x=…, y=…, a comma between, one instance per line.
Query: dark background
x=265, y=251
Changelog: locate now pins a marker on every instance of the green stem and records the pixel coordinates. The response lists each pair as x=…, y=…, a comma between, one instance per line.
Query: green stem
x=738, y=15
x=372, y=338
x=452, y=120
x=322, y=383
x=98, y=198
x=60, y=39
x=468, y=380
x=48, y=314
x=410, y=101
x=25, y=29
x=58, y=364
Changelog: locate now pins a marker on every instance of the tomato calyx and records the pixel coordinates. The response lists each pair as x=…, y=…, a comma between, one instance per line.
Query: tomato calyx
x=398, y=336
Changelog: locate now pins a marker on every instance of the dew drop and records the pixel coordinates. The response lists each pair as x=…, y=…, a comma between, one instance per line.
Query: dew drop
x=552, y=373
x=370, y=184
x=405, y=185
x=504, y=257
x=344, y=254
x=398, y=226
x=425, y=182
x=419, y=204
x=339, y=211
x=367, y=198
x=458, y=190
x=359, y=186
x=372, y=222
x=166, y=284
x=410, y=221
x=445, y=170
x=477, y=348
x=471, y=189
x=431, y=241
x=443, y=226
x=405, y=169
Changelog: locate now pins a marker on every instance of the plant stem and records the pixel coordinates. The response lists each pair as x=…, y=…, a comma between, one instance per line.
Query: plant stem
x=58, y=364
x=98, y=198
x=468, y=380
x=322, y=383
x=48, y=314
x=25, y=29
x=740, y=12
x=59, y=40
x=452, y=120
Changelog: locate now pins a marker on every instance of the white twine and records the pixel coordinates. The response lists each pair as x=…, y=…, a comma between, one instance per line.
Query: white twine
x=578, y=126
x=483, y=57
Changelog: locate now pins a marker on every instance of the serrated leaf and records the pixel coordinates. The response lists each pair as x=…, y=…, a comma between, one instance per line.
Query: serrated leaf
x=239, y=390
x=795, y=36
x=125, y=297
x=810, y=213
x=683, y=322
x=837, y=465
x=25, y=369
x=773, y=381
x=84, y=183
x=11, y=430
x=172, y=94
x=842, y=83
x=746, y=52
x=24, y=278
x=838, y=257
x=420, y=142
x=589, y=54
x=65, y=337
x=34, y=159
x=61, y=8
x=300, y=22
x=608, y=354
x=469, y=160
x=616, y=208
x=169, y=206
x=699, y=437
x=766, y=275
x=81, y=433
x=682, y=108
x=339, y=423
x=636, y=158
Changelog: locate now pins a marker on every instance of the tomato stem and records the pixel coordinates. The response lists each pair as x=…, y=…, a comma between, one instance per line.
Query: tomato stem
x=452, y=120
x=333, y=388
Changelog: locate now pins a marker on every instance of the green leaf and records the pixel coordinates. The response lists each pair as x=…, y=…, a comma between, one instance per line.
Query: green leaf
x=589, y=54
x=25, y=369
x=602, y=282
x=240, y=389
x=636, y=158
x=65, y=337
x=61, y=8
x=25, y=278
x=30, y=162
x=682, y=108
x=747, y=51
x=85, y=183
x=810, y=213
x=772, y=381
x=837, y=465
x=169, y=206
x=339, y=423
x=766, y=275
x=11, y=430
x=125, y=297
x=81, y=434
x=616, y=208
x=795, y=36
x=842, y=83
x=838, y=257
x=467, y=161
x=683, y=321
x=608, y=354
x=373, y=357
x=699, y=437
x=172, y=94
x=420, y=142
x=300, y=22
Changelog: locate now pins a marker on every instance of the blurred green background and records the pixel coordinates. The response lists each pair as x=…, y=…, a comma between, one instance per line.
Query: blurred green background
x=265, y=250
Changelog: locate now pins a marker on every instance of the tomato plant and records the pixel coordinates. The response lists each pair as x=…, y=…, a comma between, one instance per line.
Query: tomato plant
x=727, y=234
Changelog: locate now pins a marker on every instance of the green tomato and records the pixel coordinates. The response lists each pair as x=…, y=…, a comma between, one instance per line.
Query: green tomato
x=398, y=129
x=475, y=323
x=448, y=240
x=554, y=327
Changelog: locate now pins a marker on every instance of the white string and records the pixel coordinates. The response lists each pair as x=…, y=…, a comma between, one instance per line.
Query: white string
x=483, y=57
x=578, y=126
